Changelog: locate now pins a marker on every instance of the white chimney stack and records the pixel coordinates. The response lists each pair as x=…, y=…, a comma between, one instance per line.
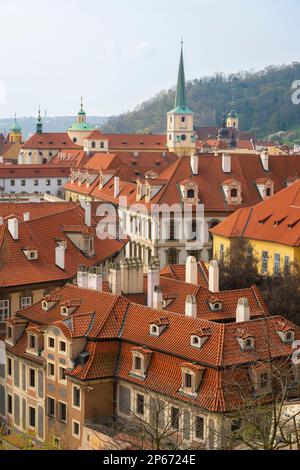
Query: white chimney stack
x=116, y=186
x=60, y=256
x=264, y=156
x=191, y=306
x=226, y=163
x=82, y=278
x=115, y=278
x=191, y=271
x=242, y=311
x=13, y=227
x=26, y=216
x=88, y=214
x=157, y=298
x=195, y=164
x=153, y=279
x=213, y=277
x=95, y=279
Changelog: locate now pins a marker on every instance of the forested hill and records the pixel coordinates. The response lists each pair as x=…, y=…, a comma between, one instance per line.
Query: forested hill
x=262, y=99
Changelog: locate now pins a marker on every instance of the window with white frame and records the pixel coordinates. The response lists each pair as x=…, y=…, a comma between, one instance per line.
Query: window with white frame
x=76, y=397
x=25, y=302
x=4, y=309
x=31, y=373
x=51, y=370
x=62, y=346
x=51, y=407
x=9, y=367
x=62, y=374
x=62, y=411
x=51, y=342
x=76, y=429
x=31, y=417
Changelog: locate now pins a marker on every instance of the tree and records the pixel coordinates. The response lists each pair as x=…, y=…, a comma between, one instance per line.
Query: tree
x=239, y=266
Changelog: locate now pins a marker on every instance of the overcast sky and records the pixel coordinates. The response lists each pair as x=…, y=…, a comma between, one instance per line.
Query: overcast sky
x=118, y=53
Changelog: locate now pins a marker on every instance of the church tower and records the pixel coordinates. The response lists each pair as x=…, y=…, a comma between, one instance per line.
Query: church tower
x=232, y=119
x=15, y=133
x=39, y=124
x=180, y=120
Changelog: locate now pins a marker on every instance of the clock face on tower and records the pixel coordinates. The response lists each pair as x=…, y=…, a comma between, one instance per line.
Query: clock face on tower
x=183, y=137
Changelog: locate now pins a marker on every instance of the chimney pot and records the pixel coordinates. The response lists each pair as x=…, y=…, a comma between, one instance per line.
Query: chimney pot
x=26, y=216
x=83, y=278
x=226, y=163
x=60, y=256
x=242, y=311
x=13, y=227
x=191, y=271
x=191, y=306
x=153, y=280
x=214, y=277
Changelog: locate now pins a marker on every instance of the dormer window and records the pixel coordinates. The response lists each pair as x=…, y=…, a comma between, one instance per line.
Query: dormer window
x=233, y=191
x=45, y=305
x=154, y=330
x=32, y=341
x=215, y=305
x=140, y=361
x=199, y=338
x=245, y=341
x=191, y=379
x=9, y=332
x=191, y=194
x=64, y=311
x=31, y=255
x=158, y=326
x=286, y=334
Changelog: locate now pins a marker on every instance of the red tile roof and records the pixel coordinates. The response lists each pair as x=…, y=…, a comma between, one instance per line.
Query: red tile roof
x=276, y=219
x=42, y=234
x=50, y=140
x=124, y=327
x=34, y=171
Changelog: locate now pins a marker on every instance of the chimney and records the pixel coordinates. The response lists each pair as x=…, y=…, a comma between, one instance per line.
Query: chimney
x=264, y=156
x=60, y=256
x=214, y=277
x=242, y=311
x=13, y=227
x=153, y=279
x=26, y=216
x=114, y=278
x=82, y=278
x=132, y=276
x=191, y=270
x=226, y=163
x=191, y=306
x=88, y=214
x=195, y=164
x=116, y=186
x=157, y=298
x=95, y=279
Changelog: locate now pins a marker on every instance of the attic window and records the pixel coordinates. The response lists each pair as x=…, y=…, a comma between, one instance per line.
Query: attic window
x=215, y=305
x=279, y=222
x=64, y=311
x=31, y=255
x=154, y=330
x=45, y=305
x=195, y=341
x=287, y=336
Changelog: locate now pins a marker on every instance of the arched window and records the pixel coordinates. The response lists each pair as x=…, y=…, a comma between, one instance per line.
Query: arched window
x=191, y=194
x=234, y=192
x=172, y=256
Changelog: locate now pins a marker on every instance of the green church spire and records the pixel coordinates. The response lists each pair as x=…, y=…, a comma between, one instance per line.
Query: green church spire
x=180, y=99
x=39, y=124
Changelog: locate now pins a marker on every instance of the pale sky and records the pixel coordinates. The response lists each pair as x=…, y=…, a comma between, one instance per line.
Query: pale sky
x=118, y=53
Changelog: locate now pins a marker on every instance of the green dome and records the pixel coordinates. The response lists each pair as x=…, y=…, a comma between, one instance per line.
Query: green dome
x=232, y=114
x=16, y=128
x=81, y=126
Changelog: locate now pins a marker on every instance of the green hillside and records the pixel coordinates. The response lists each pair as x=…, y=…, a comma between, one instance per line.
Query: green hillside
x=262, y=99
